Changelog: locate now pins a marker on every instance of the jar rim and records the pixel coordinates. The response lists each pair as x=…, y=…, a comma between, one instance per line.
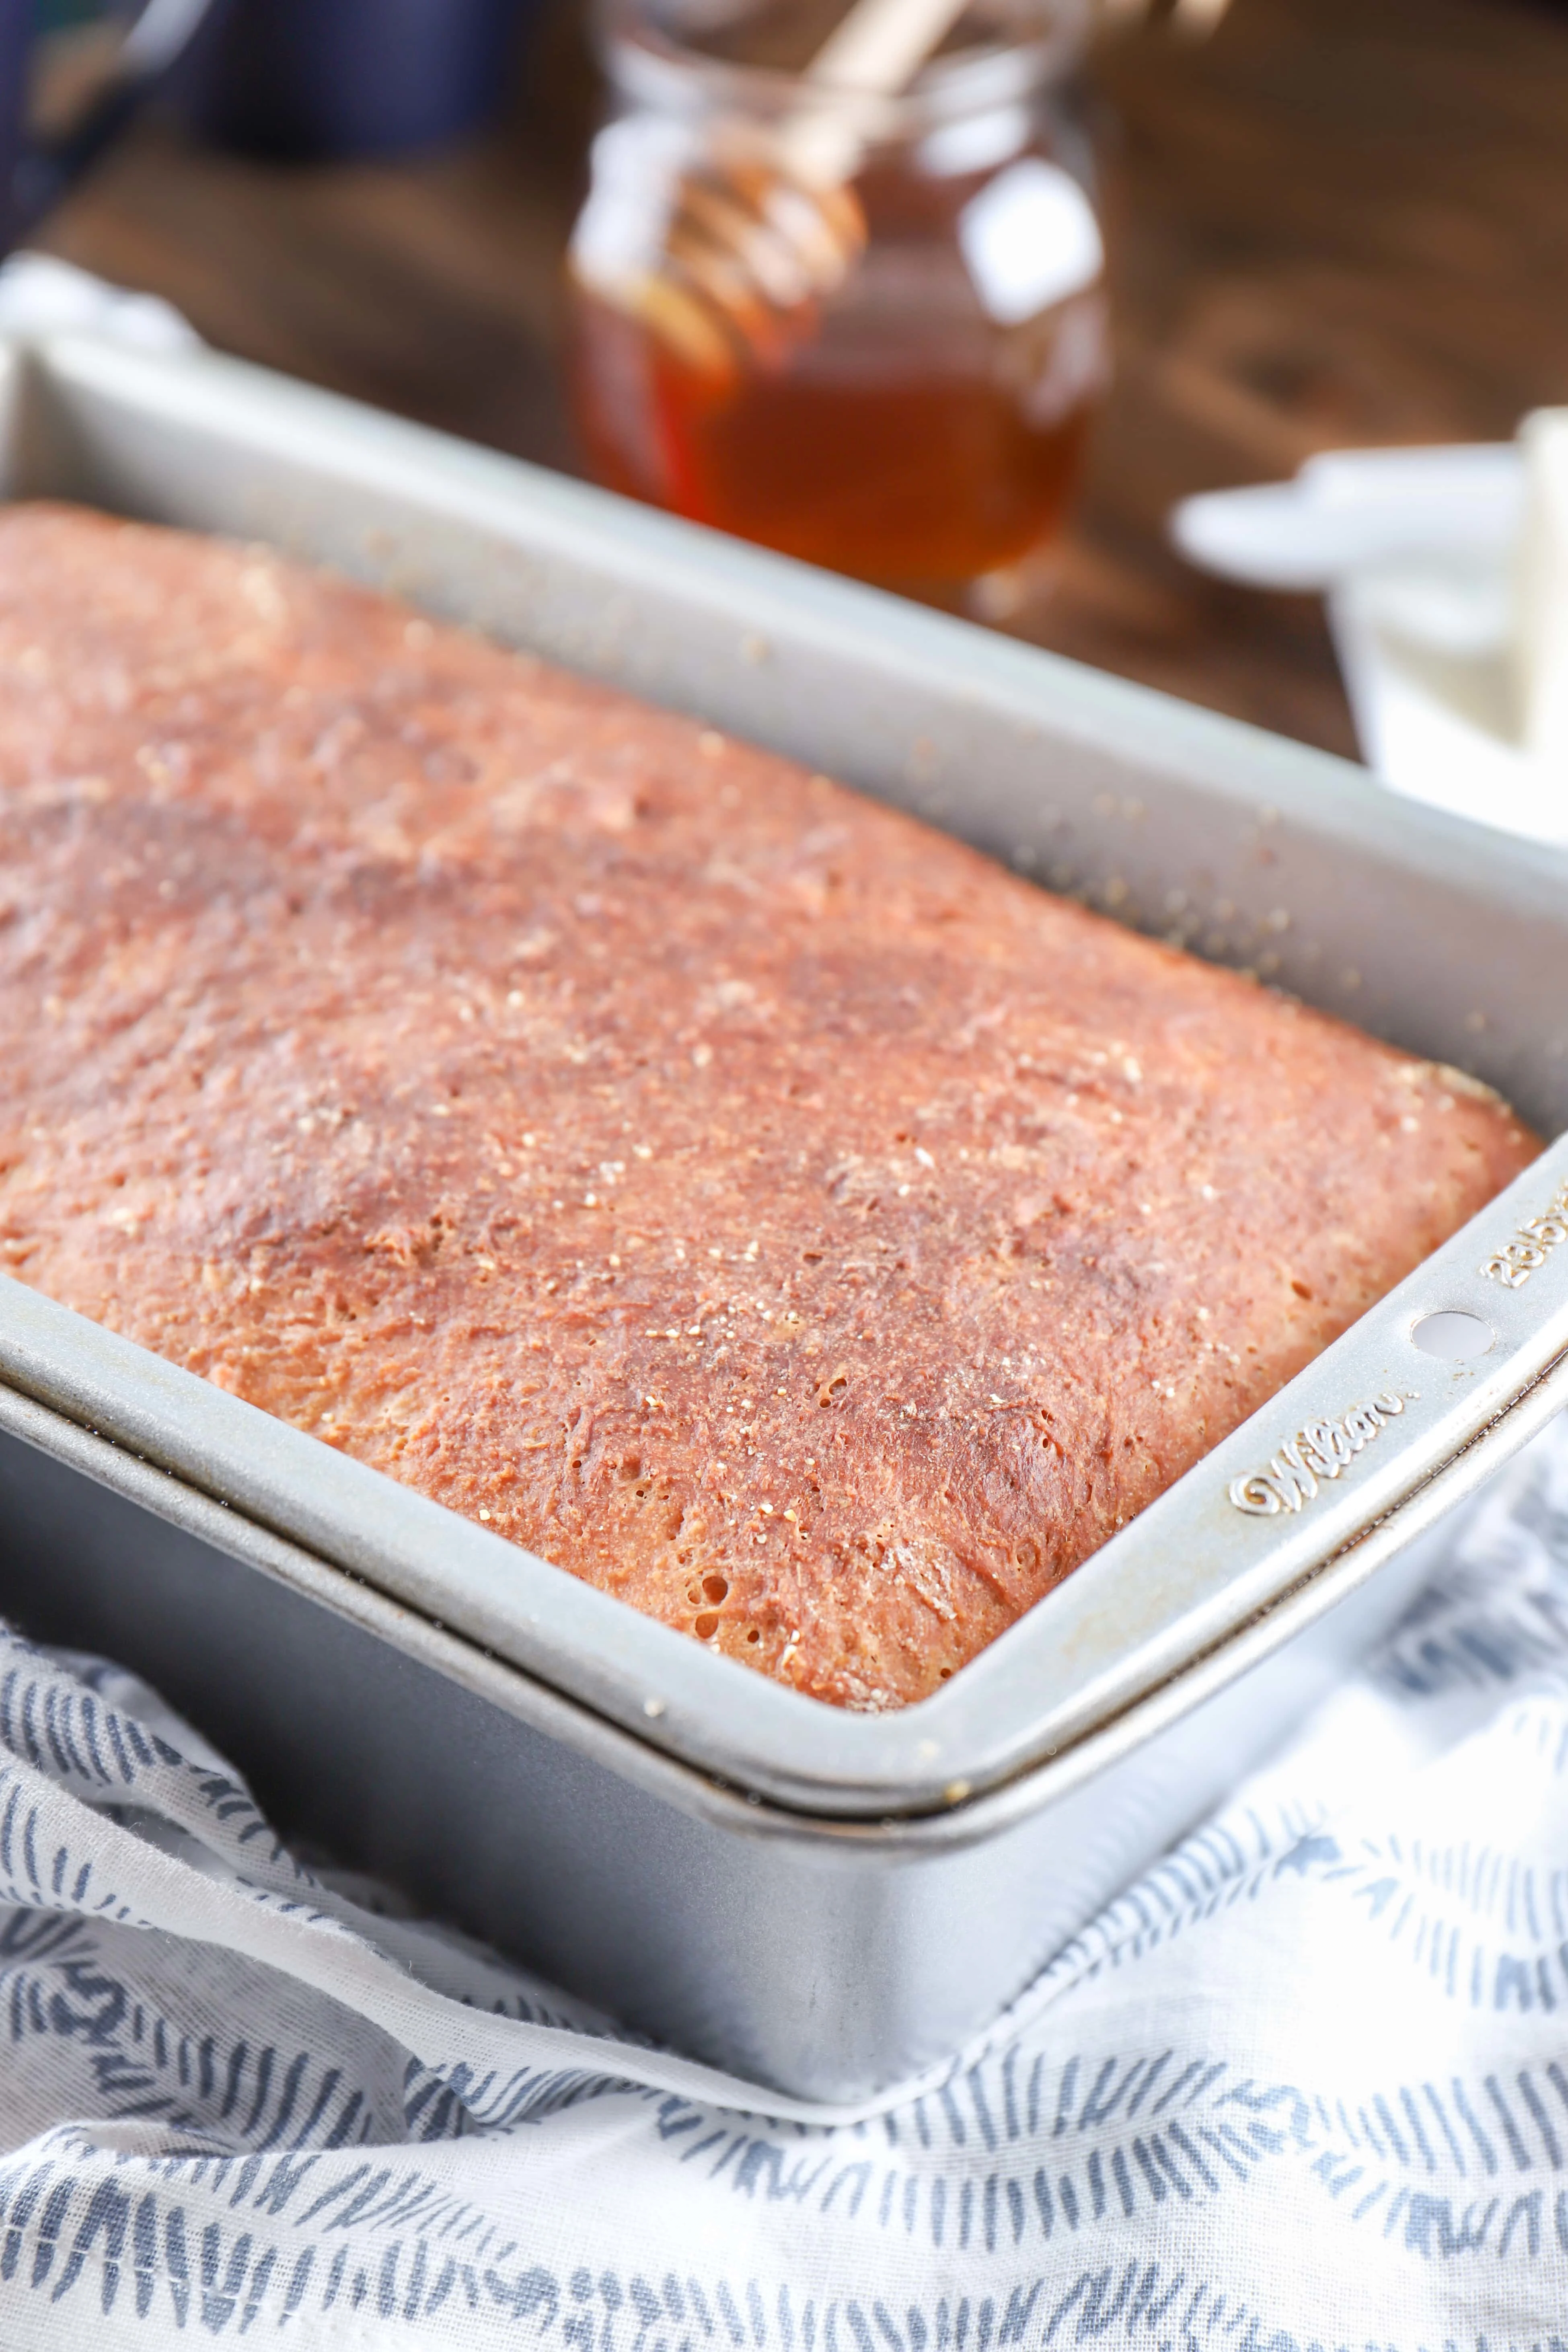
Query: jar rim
x=650, y=66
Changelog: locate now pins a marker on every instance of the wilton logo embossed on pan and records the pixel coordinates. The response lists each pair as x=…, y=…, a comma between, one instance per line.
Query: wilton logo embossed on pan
x=1321, y=1450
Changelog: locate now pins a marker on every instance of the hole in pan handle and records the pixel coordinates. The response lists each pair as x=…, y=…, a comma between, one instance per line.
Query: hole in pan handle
x=1453, y=1334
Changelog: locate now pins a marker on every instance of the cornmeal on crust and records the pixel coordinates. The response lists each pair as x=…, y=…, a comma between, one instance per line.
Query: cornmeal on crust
x=753, y=1201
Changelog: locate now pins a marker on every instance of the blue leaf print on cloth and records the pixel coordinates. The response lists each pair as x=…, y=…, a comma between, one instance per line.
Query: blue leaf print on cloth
x=1304, y=2084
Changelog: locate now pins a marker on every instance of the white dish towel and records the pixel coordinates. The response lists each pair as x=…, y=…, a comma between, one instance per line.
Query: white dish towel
x=1304, y=2084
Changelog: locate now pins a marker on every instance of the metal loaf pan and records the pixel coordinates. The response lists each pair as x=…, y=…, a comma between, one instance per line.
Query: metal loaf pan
x=824, y=1902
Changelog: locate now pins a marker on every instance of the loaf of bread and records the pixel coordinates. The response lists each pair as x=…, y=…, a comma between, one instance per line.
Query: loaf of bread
x=744, y=1196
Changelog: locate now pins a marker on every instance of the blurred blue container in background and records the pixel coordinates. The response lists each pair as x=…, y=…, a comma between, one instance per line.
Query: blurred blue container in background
x=313, y=80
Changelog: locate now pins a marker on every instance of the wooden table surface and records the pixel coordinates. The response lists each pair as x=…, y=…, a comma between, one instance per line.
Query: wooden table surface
x=1340, y=222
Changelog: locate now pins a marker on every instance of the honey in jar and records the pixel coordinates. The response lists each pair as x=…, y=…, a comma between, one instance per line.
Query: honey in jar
x=920, y=423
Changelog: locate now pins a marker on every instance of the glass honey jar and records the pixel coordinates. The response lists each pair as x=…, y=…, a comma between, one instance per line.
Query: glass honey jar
x=868, y=330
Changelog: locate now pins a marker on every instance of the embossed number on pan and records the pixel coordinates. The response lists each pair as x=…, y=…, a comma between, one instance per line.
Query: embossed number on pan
x=1533, y=1241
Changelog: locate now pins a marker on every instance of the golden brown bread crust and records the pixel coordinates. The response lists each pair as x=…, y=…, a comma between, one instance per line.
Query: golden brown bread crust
x=753, y=1201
